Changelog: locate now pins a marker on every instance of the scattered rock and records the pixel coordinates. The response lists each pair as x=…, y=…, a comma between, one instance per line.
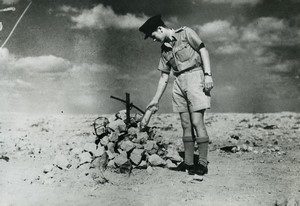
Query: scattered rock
x=99, y=151
x=90, y=147
x=173, y=154
x=149, y=170
x=61, y=161
x=170, y=164
x=136, y=156
x=156, y=160
x=120, y=160
x=127, y=146
x=85, y=158
x=104, y=141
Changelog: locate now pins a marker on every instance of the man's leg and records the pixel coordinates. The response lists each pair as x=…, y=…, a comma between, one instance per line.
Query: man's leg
x=202, y=138
x=187, y=138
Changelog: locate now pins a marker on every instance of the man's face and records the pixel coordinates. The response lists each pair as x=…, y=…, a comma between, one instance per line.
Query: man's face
x=158, y=35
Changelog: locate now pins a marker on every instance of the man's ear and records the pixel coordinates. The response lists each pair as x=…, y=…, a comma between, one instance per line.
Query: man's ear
x=160, y=29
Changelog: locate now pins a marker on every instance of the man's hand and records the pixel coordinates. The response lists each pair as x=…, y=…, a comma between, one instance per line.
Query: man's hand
x=208, y=83
x=153, y=106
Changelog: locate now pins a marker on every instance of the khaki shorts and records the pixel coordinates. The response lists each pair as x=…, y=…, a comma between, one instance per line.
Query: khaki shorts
x=188, y=92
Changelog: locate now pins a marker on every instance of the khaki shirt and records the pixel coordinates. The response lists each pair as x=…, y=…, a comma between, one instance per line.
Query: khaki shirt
x=182, y=53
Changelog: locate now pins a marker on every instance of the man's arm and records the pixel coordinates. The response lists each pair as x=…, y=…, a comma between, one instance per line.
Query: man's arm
x=208, y=82
x=162, y=84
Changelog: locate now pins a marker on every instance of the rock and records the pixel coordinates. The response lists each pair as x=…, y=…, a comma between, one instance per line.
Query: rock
x=118, y=125
x=150, y=145
x=149, y=170
x=111, y=155
x=111, y=164
x=75, y=152
x=139, y=146
x=156, y=160
x=173, y=154
x=120, y=160
x=101, y=162
x=136, y=156
x=143, y=165
x=250, y=149
x=127, y=146
x=292, y=202
x=142, y=138
x=90, y=147
x=244, y=148
x=121, y=115
x=61, y=161
x=47, y=168
x=104, y=141
x=170, y=164
x=113, y=137
x=85, y=158
x=111, y=146
x=277, y=148
x=99, y=151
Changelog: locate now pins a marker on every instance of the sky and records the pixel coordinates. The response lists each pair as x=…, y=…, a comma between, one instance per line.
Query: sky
x=72, y=55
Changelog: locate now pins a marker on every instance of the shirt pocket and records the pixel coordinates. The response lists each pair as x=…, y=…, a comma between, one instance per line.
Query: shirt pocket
x=182, y=53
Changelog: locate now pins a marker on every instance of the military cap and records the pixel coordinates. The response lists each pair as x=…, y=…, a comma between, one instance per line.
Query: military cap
x=151, y=25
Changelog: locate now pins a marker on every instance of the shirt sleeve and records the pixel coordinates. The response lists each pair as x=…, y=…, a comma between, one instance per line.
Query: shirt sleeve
x=193, y=39
x=163, y=64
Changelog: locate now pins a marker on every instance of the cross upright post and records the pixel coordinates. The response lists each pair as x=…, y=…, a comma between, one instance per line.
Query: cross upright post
x=128, y=109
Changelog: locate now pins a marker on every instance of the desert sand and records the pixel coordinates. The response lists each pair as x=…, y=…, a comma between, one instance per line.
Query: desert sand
x=261, y=166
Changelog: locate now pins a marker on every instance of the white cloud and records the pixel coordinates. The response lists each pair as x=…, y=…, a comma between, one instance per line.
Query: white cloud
x=218, y=31
x=67, y=9
x=234, y=2
x=43, y=64
x=92, y=68
x=101, y=17
x=265, y=30
x=230, y=49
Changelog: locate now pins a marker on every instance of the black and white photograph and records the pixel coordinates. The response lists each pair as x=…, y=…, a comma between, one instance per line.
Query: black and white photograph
x=149, y=102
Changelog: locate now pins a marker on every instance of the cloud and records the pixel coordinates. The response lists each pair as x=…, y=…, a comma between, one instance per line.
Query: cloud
x=16, y=84
x=101, y=17
x=234, y=2
x=218, y=31
x=265, y=30
x=92, y=68
x=230, y=49
x=10, y=2
x=43, y=64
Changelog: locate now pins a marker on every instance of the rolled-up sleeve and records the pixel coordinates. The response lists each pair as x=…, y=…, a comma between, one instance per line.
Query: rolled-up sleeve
x=163, y=65
x=193, y=39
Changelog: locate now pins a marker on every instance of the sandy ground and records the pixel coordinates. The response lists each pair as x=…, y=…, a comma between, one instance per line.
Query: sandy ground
x=264, y=171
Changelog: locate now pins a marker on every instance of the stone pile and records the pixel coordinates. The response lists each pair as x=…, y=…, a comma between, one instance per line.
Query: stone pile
x=122, y=147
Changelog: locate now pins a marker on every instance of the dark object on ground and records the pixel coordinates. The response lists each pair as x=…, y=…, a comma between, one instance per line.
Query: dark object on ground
x=227, y=148
x=4, y=158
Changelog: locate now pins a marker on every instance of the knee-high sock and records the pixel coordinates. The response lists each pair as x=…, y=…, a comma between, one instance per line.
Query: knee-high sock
x=189, y=147
x=202, y=143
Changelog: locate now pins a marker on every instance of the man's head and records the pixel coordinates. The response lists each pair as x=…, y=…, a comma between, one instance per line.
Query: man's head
x=155, y=28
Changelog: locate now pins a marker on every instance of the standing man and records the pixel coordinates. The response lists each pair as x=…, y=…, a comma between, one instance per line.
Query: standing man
x=183, y=51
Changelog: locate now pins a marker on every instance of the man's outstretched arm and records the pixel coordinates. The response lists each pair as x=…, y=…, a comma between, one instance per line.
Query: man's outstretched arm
x=162, y=84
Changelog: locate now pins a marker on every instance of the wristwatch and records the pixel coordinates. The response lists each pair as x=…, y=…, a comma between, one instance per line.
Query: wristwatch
x=207, y=74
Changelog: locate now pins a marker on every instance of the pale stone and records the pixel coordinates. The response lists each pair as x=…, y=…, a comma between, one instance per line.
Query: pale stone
x=156, y=160
x=85, y=158
x=99, y=151
x=136, y=156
